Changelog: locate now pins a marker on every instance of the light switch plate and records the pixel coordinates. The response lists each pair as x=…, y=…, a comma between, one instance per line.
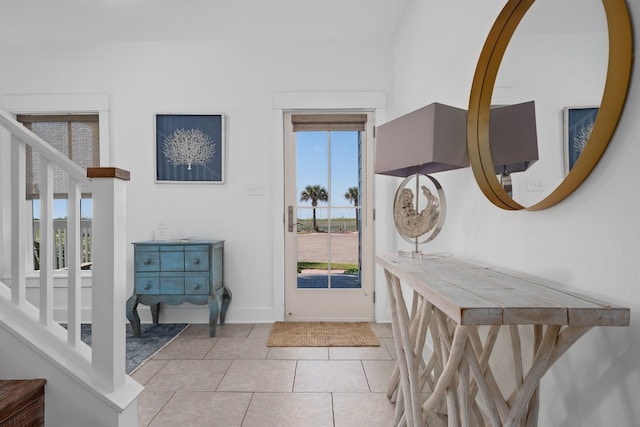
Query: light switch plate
x=255, y=189
x=534, y=185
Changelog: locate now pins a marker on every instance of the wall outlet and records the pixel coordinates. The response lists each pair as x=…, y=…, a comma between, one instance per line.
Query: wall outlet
x=255, y=189
x=534, y=185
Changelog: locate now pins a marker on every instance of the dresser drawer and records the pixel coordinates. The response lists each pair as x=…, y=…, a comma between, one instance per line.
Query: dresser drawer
x=196, y=284
x=196, y=260
x=147, y=283
x=172, y=260
x=171, y=284
x=147, y=260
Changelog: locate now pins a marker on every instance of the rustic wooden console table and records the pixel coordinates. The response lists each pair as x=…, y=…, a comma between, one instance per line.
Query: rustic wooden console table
x=462, y=307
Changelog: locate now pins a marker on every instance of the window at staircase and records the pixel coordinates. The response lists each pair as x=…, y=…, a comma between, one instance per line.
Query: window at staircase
x=77, y=137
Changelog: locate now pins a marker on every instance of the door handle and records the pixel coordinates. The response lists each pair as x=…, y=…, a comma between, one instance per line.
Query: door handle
x=290, y=218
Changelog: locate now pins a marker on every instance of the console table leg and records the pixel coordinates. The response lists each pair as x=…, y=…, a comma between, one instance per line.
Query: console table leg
x=132, y=314
x=408, y=393
x=532, y=380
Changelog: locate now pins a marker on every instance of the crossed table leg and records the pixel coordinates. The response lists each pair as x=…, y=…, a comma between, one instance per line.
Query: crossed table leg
x=457, y=379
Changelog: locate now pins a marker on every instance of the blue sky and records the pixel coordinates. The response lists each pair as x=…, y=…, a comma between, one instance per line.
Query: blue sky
x=321, y=155
x=60, y=208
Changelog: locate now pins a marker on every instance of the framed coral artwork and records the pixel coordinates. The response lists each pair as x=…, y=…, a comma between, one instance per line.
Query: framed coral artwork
x=578, y=123
x=189, y=148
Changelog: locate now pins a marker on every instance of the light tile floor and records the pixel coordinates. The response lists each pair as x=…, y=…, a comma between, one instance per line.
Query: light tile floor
x=234, y=379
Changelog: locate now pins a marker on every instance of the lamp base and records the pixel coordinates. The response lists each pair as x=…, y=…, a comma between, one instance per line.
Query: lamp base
x=413, y=254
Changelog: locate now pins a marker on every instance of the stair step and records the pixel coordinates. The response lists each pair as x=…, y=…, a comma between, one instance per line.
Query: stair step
x=22, y=403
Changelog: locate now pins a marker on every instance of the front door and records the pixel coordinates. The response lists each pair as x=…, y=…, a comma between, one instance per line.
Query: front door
x=328, y=230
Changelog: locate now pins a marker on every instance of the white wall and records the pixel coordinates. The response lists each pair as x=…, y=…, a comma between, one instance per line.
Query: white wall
x=590, y=241
x=238, y=79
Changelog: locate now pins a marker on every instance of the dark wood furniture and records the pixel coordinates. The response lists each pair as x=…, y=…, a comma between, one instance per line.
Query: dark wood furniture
x=22, y=403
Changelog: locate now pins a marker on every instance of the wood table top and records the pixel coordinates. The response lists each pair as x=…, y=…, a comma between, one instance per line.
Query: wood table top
x=475, y=294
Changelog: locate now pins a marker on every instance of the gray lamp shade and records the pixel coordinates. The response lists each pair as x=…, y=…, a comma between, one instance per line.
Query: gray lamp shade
x=428, y=140
x=513, y=137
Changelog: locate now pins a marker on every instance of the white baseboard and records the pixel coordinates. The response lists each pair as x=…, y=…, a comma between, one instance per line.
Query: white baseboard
x=187, y=313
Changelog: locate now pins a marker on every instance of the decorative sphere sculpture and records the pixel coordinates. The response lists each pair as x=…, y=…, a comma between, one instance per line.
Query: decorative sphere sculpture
x=419, y=215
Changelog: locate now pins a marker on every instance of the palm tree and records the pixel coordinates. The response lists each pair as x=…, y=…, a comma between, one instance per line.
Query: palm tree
x=352, y=196
x=314, y=193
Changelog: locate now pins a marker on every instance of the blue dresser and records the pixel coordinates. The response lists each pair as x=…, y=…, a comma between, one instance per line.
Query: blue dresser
x=174, y=272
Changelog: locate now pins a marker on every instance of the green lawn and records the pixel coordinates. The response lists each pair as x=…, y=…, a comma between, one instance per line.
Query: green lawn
x=337, y=224
x=351, y=268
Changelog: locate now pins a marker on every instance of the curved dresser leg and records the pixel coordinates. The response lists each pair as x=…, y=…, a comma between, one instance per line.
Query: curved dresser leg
x=132, y=314
x=155, y=310
x=226, y=300
x=213, y=315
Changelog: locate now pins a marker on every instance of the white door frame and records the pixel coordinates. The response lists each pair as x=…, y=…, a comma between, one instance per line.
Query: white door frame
x=283, y=101
x=355, y=304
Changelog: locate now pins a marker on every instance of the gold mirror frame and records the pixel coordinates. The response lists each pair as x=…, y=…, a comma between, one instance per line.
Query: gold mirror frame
x=613, y=99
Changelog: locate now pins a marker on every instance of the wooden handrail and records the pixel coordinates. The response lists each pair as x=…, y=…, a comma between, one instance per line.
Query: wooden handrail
x=108, y=172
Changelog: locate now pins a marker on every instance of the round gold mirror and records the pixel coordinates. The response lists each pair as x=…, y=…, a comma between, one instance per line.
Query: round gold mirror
x=613, y=99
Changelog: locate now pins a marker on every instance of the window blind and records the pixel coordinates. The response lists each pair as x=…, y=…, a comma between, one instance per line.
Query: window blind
x=74, y=135
x=328, y=122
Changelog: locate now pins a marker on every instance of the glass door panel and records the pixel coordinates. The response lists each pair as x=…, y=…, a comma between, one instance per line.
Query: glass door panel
x=313, y=250
x=344, y=249
x=328, y=181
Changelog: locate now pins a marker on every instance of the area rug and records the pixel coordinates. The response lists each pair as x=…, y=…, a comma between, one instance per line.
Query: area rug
x=153, y=338
x=322, y=334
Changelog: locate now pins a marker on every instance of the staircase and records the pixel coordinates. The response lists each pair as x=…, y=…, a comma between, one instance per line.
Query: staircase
x=86, y=386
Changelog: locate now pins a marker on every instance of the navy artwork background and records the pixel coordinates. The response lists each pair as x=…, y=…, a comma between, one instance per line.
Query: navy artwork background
x=211, y=124
x=577, y=119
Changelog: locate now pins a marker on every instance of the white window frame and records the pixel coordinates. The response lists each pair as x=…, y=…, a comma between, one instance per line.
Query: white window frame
x=44, y=104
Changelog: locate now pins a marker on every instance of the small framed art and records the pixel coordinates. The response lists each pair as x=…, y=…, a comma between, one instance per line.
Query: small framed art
x=578, y=123
x=189, y=148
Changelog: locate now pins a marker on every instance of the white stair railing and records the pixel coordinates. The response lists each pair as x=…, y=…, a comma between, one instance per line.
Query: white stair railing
x=108, y=188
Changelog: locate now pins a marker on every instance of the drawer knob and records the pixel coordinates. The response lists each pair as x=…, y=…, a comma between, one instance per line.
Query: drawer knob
x=196, y=261
x=196, y=287
x=147, y=261
x=147, y=286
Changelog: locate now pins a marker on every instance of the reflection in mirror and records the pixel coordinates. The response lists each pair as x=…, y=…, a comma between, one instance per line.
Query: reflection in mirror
x=558, y=58
x=578, y=125
x=514, y=141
